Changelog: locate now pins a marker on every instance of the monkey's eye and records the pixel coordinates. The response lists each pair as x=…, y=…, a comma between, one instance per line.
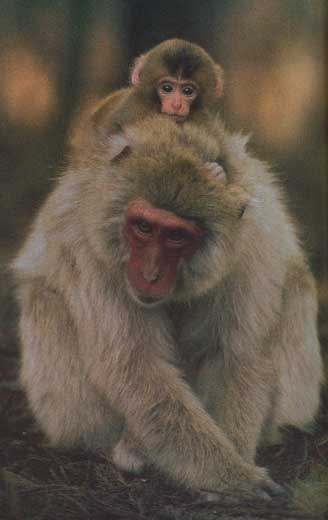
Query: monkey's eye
x=166, y=87
x=143, y=226
x=189, y=90
x=177, y=236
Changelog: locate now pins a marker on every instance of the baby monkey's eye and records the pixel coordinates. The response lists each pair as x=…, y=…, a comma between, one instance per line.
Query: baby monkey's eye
x=189, y=90
x=166, y=87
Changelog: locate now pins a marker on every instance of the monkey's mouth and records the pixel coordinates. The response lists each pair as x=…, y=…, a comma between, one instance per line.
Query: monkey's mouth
x=149, y=300
x=177, y=118
x=144, y=299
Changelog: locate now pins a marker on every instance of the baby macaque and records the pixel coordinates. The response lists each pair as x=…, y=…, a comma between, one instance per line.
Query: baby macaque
x=176, y=78
x=184, y=76
x=168, y=315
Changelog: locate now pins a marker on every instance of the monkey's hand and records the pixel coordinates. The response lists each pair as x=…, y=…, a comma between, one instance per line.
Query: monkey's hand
x=262, y=488
x=216, y=171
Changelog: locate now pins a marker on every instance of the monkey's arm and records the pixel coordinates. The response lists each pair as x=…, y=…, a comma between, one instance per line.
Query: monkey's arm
x=130, y=365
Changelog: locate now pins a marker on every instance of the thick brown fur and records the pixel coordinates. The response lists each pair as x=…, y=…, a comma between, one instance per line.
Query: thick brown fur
x=193, y=385
x=171, y=57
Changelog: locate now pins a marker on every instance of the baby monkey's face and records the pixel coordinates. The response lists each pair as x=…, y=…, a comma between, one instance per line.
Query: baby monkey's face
x=177, y=96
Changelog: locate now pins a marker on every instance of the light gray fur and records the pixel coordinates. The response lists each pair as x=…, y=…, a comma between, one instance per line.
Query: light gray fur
x=193, y=385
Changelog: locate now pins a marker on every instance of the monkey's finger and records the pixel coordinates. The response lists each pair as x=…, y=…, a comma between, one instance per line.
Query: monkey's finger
x=274, y=489
x=215, y=170
x=253, y=491
x=265, y=490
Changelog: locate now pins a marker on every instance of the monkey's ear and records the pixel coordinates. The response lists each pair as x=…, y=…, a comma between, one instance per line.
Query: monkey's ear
x=119, y=147
x=219, y=80
x=137, y=68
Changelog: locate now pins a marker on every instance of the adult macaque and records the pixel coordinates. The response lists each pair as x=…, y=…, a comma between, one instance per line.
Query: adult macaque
x=168, y=316
x=176, y=78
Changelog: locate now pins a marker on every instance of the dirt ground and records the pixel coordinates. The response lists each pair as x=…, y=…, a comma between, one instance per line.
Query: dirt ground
x=38, y=482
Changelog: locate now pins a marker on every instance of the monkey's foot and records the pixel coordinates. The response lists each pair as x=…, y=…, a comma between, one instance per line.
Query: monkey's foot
x=126, y=459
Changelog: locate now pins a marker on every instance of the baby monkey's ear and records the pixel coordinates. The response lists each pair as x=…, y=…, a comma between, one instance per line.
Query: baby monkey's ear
x=137, y=68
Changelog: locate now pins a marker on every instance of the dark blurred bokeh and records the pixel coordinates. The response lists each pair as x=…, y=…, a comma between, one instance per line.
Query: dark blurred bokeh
x=57, y=56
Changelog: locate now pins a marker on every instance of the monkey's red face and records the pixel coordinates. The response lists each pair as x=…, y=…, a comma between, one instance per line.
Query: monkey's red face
x=176, y=97
x=158, y=241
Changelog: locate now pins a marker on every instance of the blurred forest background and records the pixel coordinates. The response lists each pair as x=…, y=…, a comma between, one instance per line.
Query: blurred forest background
x=56, y=56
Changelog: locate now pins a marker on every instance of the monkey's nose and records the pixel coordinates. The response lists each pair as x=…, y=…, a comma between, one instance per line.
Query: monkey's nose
x=177, y=103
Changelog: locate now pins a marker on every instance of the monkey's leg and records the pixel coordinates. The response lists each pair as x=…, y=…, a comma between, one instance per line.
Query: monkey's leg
x=238, y=396
x=297, y=353
x=61, y=397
